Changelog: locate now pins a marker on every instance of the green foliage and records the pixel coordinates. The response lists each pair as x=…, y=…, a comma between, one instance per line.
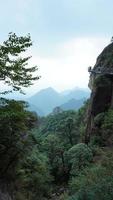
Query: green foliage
x=64, y=196
x=63, y=125
x=93, y=185
x=108, y=121
x=81, y=120
x=15, y=122
x=95, y=181
x=57, y=133
x=98, y=120
x=49, y=161
x=34, y=174
x=52, y=122
x=23, y=167
x=43, y=159
x=102, y=81
x=80, y=156
x=69, y=130
x=57, y=157
x=104, y=125
x=86, y=178
x=13, y=67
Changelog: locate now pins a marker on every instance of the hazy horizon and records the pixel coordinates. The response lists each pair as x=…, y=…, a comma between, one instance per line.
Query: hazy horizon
x=17, y=95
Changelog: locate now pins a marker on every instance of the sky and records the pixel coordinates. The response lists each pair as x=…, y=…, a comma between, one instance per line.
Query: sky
x=67, y=36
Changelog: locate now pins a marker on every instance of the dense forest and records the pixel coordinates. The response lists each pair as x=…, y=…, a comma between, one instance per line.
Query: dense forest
x=67, y=155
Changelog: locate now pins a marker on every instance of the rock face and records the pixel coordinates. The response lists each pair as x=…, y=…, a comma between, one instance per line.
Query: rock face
x=4, y=196
x=4, y=193
x=101, y=85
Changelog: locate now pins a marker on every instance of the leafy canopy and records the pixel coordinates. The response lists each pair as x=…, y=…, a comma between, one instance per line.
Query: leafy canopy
x=80, y=156
x=15, y=123
x=14, y=70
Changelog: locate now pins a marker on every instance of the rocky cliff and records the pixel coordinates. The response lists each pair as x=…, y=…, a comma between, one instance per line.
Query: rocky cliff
x=5, y=191
x=101, y=85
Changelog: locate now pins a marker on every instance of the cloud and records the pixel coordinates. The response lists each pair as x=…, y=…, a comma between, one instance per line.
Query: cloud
x=67, y=67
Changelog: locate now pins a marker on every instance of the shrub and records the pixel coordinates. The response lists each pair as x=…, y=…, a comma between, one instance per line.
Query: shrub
x=93, y=183
x=80, y=156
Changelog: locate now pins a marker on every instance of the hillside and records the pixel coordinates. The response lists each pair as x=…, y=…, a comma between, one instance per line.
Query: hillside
x=77, y=93
x=72, y=104
x=34, y=108
x=47, y=99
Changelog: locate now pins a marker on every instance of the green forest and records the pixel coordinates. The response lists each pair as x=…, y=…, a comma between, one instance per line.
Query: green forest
x=66, y=155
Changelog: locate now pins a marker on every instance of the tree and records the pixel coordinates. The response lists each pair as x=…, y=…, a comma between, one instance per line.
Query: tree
x=93, y=183
x=80, y=155
x=57, y=110
x=55, y=153
x=15, y=122
x=34, y=175
x=67, y=128
x=14, y=70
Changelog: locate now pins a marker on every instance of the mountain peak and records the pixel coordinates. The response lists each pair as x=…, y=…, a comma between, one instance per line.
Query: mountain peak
x=47, y=90
x=47, y=99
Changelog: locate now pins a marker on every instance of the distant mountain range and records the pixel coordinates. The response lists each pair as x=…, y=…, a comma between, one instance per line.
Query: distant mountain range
x=44, y=101
x=73, y=104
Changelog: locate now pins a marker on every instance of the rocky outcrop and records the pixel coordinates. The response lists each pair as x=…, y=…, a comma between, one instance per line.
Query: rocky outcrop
x=4, y=196
x=101, y=85
x=4, y=191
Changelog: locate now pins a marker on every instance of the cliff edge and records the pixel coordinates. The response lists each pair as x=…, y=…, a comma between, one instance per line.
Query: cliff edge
x=101, y=85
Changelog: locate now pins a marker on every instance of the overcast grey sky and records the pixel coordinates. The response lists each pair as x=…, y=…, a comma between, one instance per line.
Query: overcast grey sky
x=67, y=36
